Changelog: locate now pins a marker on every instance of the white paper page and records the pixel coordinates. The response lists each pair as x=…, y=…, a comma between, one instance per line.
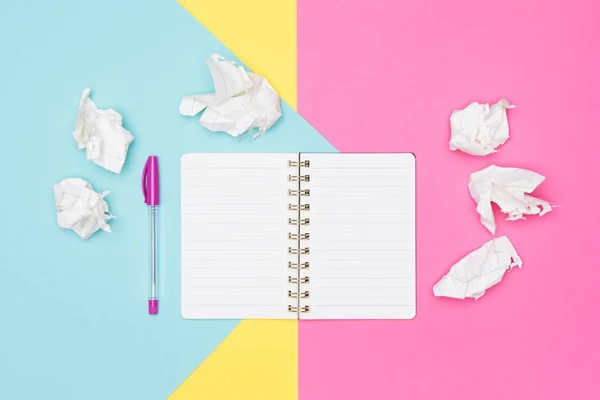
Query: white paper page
x=362, y=236
x=234, y=240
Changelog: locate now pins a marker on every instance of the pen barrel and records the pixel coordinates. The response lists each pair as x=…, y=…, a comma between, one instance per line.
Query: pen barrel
x=153, y=254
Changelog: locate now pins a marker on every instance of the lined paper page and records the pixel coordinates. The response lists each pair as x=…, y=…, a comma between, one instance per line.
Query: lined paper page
x=362, y=236
x=234, y=235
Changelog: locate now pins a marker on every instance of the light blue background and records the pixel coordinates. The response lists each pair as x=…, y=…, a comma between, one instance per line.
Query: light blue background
x=73, y=314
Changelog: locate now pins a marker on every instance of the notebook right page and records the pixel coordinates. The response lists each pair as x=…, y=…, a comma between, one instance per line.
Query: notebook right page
x=362, y=236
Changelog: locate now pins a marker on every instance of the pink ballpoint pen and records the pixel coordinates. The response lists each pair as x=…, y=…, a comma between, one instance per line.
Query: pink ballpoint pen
x=150, y=187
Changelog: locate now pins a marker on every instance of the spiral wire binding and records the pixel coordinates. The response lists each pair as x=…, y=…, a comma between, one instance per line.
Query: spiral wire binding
x=304, y=265
x=305, y=250
x=296, y=295
x=305, y=221
x=298, y=237
x=292, y=163
x=304, y=192
x=293, y=279
x=303, y=309
x=298, y=207
x=298, y=178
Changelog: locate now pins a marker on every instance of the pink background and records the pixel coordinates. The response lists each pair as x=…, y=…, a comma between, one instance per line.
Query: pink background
x=384, y=76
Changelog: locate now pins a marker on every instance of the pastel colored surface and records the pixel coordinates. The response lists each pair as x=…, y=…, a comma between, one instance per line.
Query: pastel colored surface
x=73, y=314
x=261, y=357
x=262, y=33
x=385, y=76
x=258, y=360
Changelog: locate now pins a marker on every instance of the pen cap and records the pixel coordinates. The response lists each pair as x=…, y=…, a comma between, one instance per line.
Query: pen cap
x=150, y=186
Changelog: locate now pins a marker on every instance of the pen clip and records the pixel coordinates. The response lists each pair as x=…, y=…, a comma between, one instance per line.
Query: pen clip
x=144, y=181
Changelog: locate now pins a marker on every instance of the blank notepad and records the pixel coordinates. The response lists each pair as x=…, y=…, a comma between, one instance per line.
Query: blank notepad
x=310, y=236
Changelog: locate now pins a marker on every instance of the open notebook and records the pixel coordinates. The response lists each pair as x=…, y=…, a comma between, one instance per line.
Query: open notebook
x=298, y=235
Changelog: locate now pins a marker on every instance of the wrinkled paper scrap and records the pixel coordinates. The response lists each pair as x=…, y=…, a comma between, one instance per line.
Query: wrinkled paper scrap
x=80, y=208
x=509, y=188
x=242, y=102
x=479, y=270
x=479, y=129
x=102, y=135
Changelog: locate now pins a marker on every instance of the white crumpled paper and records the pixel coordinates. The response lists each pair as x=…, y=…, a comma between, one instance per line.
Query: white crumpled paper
x=242, y=102
x=80, y=208
x=479, y=129
x=479, y=270
x=102, y=135
x=509, y=188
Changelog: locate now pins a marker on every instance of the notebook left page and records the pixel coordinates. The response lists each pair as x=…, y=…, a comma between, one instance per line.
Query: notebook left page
x=234, y=244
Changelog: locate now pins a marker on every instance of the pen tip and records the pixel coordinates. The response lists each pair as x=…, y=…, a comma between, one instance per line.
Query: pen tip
x=152, y=307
